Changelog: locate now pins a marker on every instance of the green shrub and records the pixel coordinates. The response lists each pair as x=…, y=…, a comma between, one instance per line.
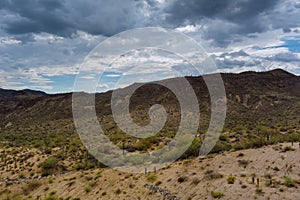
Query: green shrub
x=85, y=166
x=21, y=176
x=51, y=196
x=50, y=180
x=216, y=194
x=48, y=166
x=231, y=180
x=193, y=150
x=87, y=189
x=157, y=183
x=223, y=138
x=151, y=177
x=221, y=146
x=289, y=182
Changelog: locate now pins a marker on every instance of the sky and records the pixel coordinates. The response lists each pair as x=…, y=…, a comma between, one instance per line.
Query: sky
x=44, y=42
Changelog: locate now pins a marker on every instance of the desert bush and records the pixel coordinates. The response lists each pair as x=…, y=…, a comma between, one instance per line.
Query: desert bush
x=238, y=129
x=157, y=183
x=69, y=184
x=50, y=180
x=84, y=166
x=268, y=175
x=128, y=175
x=243, y=163
x=223, y=138
x=288, y=148
x=211, y=174
x=21, y=176
x=231, y=180
x=143, y=144
x=276, y=169
x=193, y=150
x=88, y=178
x=48, y=166
x=259, y=191
x=151, y=177
x=241, y=155
x=181, y=179
x=118, y=191
x=30, y=186
x=216, y=194
x=221, y=146
x=87, y=189
x=289, y=182
x=195, y=181
x=52, y=196
x=48, y=150
x=98, y=175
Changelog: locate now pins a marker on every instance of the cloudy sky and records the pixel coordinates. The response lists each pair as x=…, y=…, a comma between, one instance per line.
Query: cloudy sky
x=43, y=42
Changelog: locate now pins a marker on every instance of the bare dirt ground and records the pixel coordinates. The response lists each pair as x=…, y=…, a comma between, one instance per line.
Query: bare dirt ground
x=277, y=168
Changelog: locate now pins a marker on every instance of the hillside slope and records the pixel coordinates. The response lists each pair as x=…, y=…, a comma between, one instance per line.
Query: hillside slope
x=266, y=96
x=225, y=176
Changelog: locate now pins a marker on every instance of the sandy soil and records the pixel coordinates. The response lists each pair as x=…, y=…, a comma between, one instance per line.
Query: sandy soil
x=199, y=177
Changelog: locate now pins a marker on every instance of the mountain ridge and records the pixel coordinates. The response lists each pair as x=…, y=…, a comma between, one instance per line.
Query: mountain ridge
x=275, y=72
x=259, y=94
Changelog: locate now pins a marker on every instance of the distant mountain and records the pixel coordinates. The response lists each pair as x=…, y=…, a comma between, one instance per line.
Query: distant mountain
x=253, y=98
x=20, y=94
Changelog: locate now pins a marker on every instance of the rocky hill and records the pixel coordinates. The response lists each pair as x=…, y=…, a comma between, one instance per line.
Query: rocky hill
x=266, y=96
x=42, y=157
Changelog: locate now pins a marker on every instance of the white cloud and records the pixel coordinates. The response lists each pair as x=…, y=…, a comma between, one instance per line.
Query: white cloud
x=8, y=41
x=113, y=75
x=102, y=86
x=189, y=28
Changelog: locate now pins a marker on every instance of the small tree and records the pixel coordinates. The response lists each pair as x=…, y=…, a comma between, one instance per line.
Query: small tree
x=266, y=131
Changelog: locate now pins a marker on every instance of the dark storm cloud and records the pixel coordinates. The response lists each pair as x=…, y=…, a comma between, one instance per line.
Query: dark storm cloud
x=237, y=11
x=35, y=16
x=64, y=17
x=223, y=20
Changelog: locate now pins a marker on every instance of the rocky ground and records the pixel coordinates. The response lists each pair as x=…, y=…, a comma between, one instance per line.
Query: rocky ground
x=271, y=172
